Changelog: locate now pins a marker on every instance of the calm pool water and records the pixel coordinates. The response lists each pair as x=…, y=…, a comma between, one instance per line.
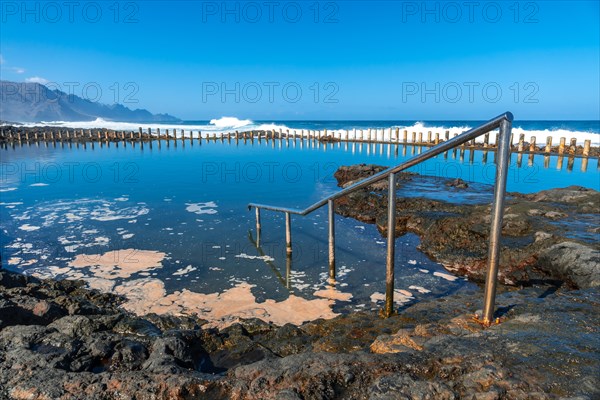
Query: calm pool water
x=65, y=207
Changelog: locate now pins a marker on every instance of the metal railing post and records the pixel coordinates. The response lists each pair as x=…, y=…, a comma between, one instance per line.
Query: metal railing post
x=258, y=227
x=496, y=225
x=391, y=247
x=331, y=218
x=288, y=233
x=288, y=270
x=502, y=122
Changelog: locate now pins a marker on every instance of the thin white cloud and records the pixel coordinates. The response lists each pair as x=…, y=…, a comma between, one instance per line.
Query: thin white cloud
x=16, y=70
x=37, y=79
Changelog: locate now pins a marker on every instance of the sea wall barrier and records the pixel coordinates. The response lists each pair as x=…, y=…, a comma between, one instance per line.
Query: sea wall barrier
x=13, y=134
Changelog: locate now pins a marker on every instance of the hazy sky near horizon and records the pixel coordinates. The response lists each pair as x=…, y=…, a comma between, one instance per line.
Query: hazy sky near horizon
x=314, y=60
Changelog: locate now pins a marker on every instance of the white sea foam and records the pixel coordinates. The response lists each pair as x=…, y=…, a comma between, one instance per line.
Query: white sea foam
x=29, y=228
x=541, y=136
x=246, y=256
x=419, y=289
x=443, y=275
x=202, y=208
x=184, y=271
x=106, y=214
x=229, y=124
x=400, y=297
x=11, y=205
x=219, y=125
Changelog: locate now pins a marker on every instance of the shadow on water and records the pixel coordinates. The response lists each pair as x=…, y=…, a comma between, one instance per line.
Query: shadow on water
x=284, y=281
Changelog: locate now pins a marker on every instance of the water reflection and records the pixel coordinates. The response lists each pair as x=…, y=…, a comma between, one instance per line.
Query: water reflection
x=288, y=263
x=374, y=152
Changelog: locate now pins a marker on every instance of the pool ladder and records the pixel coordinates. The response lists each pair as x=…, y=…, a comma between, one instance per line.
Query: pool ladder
x=502, y=122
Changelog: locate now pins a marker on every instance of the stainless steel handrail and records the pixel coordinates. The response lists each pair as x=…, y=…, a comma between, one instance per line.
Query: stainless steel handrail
x=502, y=122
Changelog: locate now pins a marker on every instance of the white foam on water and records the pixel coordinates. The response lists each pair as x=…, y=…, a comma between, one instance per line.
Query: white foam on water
x=419, y=289
x=148, y=295
x=27, y=263
x=72, y=217
x=39, y=184
x=71, y=248
x=443, y=275
x=14, y=261
x=229, y=124
x=387, y=134
x=29, y=228
x=67, y=212
x=119, y=263
x=377, y=296
x=113, y=215
x=541, y=136
x=249, y=257
x=400, y=297
x=332, y=293
x=218, y=125
x=101, y=240
x=300, y=286
x=11, y=205
x=343, y=271
x=184, y=271
x=202, y=208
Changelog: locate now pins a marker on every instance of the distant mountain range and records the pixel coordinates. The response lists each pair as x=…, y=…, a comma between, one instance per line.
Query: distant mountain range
x=34, y=102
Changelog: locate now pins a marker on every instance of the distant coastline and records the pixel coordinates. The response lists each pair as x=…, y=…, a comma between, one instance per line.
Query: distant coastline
x=28, y=102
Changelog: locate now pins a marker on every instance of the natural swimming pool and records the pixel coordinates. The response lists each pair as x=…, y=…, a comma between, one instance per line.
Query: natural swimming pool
x=168, y=226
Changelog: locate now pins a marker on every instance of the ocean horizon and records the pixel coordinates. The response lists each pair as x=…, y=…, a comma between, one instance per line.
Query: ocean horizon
x=580, y=129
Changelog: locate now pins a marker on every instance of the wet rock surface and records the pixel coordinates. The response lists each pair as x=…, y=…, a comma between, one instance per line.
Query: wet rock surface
x=456, y=235
x=82, y=345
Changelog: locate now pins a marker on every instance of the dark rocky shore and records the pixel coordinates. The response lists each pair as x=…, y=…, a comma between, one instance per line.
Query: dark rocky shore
x=59, y=340
x=548, y=236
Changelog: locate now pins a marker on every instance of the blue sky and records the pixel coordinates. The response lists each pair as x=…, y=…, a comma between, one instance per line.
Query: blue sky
x=314, y=60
